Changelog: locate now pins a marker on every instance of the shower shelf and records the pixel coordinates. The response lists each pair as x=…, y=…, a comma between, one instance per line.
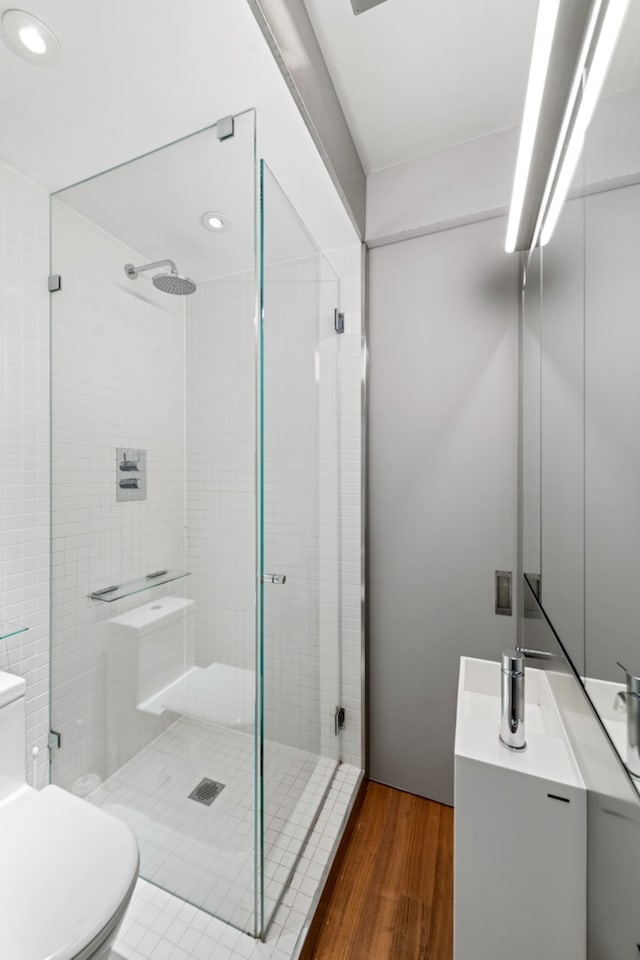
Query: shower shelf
x=155, y=579
x=9, y=629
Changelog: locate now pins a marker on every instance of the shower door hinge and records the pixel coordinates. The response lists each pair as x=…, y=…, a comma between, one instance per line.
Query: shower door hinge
x=54, y=283
x=225, y=128
x=339, y=720
x=54, y=741
x=338, y=321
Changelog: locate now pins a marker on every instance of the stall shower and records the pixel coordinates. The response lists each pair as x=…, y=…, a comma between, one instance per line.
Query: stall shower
x=196, y=547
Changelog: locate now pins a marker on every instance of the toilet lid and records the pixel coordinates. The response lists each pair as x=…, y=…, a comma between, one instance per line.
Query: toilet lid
x=66, y=867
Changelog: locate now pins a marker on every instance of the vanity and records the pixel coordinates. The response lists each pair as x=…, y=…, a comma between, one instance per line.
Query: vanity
x=520, y=827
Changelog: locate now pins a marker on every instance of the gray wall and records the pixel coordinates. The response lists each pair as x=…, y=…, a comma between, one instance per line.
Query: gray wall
x=442, y=486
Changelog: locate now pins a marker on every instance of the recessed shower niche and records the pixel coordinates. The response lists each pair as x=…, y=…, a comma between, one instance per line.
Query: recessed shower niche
x=161, y=680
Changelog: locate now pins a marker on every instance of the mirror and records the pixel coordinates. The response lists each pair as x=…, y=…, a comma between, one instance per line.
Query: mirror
x=581, y=409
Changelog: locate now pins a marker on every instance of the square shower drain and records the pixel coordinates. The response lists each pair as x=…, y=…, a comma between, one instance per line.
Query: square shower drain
x=206, y=791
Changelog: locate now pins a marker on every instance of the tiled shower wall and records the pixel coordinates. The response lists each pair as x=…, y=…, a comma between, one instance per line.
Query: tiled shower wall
x=94, y=540
x=117, y=381
x=24, y=446
x=221, y=414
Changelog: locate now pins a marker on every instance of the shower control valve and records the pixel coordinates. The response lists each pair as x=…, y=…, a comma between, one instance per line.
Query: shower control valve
x=131, y=474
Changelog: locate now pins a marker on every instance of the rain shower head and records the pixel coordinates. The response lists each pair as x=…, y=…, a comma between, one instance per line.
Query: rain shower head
x=172, y=282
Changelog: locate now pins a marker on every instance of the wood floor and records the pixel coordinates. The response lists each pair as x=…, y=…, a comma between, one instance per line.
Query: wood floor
x=390, y=895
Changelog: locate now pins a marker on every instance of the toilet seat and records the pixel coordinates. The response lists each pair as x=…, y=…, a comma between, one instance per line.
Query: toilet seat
x=67, y=872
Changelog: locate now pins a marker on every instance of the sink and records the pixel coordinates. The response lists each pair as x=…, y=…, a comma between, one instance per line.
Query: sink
x=548, y=754
x=520, y=827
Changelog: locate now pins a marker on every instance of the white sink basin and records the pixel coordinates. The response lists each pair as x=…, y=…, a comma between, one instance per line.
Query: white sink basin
x=548, y=754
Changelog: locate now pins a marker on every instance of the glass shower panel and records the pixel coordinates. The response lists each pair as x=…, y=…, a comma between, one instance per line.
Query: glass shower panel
x=153, y=503
x=299, y=544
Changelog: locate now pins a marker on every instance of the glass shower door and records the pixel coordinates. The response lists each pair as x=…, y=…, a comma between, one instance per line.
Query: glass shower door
x=298, y=540
x=153, y=509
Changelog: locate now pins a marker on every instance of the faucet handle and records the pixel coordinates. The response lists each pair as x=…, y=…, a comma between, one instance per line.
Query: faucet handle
x=512, y=662
x=633, y=682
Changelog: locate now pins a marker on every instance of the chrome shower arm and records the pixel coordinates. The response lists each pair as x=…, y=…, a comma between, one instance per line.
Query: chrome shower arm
x=132, y=272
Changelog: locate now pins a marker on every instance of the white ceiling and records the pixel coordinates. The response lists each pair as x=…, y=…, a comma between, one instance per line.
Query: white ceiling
x=414, y=76
x=137, y=75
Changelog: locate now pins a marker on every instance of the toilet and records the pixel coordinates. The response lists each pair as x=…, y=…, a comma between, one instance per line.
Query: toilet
x=67, y=869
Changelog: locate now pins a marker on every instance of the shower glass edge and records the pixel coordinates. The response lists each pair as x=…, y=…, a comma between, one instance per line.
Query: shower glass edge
x=298, y=472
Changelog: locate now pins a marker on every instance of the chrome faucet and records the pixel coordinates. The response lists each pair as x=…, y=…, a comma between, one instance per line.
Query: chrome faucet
x=512, y=711
x=629, y=699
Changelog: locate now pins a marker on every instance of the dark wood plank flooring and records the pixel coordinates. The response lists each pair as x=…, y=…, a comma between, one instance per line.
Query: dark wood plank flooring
x=390, y=894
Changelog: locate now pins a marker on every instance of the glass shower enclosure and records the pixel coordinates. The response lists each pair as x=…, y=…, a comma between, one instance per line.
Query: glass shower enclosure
x=195, y=649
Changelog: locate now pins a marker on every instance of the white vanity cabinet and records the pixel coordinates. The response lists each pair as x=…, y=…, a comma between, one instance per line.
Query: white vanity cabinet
x=520, y=828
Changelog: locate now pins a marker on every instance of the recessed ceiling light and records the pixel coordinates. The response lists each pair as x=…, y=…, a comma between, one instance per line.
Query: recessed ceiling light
x=212, y=220
x=29, y=38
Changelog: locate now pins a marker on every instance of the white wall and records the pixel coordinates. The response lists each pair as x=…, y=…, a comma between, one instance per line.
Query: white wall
x=24, y=445
x=442, y=487
x=469, y=181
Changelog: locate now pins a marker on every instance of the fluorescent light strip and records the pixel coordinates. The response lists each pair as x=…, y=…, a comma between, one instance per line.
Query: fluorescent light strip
x=542, y=43
x=605, y=46
x=568, y=114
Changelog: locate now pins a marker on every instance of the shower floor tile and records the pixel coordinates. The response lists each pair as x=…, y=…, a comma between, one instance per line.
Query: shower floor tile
x=158, y=926
x=204, y=854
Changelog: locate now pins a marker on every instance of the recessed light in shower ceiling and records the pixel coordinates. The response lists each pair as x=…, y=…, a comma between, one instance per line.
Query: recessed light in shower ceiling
x=214, y=221
x=29, y=38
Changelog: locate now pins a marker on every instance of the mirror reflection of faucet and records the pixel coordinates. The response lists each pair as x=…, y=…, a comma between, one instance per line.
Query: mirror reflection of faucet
x=628, y=701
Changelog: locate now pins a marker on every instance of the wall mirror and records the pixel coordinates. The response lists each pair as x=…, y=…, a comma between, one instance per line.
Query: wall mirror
x=581, y=408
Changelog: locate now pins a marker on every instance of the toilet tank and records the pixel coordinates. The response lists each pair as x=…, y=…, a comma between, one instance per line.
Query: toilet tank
x=12, y=733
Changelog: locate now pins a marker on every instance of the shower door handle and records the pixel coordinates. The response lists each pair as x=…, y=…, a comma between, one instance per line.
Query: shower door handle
x=274, y=578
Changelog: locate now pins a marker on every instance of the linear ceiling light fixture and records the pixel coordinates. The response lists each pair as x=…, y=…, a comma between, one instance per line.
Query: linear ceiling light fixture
x=542, y=44
x=532, y=220
x=590, y=77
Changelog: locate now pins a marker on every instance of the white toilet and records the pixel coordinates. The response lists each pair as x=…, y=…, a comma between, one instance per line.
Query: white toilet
x=67, y=868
